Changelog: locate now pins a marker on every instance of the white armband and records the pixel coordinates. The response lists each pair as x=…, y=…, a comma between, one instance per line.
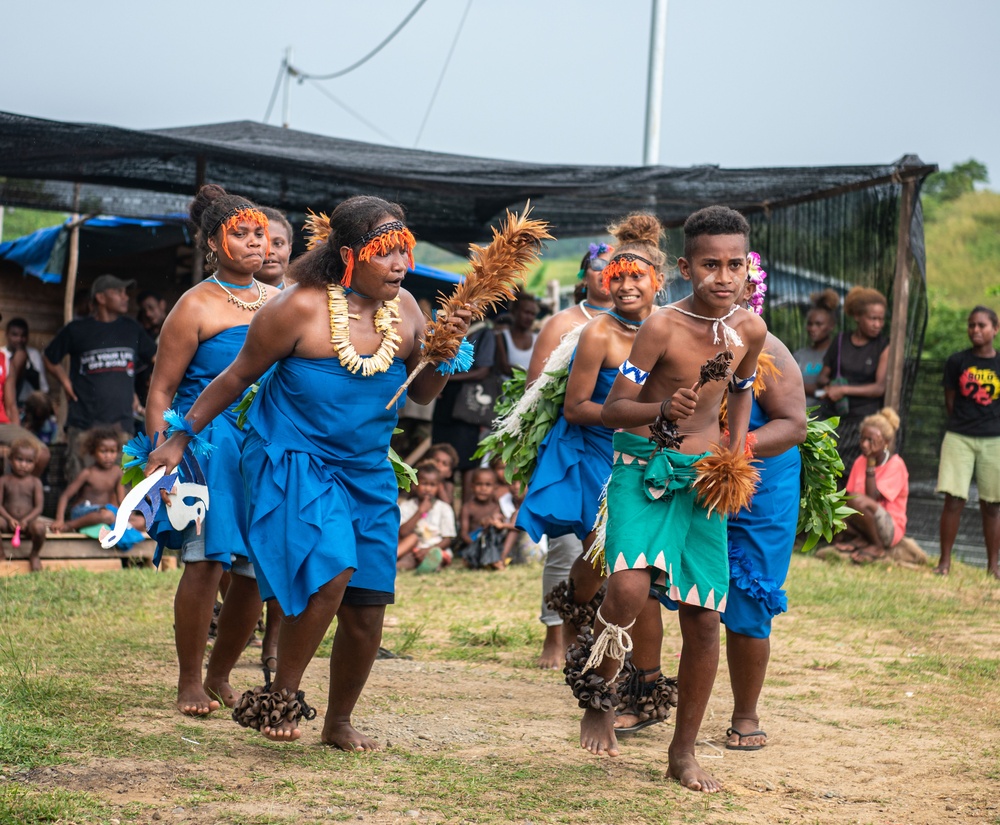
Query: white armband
x=633, y=373
x=741, y=384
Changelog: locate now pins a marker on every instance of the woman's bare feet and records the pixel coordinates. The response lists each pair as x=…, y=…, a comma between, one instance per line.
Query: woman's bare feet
x=849, y=545
x=686, y=770
x=942, y=569
x=597, y=732
x=346, y=737
x=868, y=554
x=195, y=701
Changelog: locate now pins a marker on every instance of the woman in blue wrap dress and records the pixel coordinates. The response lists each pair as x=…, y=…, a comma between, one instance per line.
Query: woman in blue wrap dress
x=200, y=338
x=321, y=497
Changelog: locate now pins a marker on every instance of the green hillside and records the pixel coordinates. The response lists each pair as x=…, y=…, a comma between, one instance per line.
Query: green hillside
x=963, y=249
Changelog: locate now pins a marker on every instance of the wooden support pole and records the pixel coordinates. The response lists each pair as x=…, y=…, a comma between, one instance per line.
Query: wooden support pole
x=73, y=262
x=900, y=298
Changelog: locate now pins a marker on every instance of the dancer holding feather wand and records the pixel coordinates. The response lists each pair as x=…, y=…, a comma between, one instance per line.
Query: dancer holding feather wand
x=321, y=495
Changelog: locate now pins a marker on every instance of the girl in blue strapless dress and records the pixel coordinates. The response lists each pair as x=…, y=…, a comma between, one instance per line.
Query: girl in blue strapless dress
x=575, y=458
x=573, y=464
x=321, y=497
x=200, y=337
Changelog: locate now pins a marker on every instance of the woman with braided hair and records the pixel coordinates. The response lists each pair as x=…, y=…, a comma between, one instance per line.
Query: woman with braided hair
x=321, y=495
x=564, y=550
x=199, y=339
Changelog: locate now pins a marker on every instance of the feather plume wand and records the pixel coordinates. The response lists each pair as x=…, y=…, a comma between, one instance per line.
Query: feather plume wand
x=494, y=274
x=726, y=481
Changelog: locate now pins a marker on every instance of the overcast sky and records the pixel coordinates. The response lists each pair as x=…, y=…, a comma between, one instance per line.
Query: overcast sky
x=747, y=82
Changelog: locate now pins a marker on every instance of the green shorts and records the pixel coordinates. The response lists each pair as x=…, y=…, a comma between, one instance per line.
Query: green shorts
x=964, y=457
x=655, y=520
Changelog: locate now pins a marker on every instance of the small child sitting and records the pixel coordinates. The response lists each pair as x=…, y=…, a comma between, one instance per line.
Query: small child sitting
x=97, y=491
x=21, y=499
x=446, y=458
x=485, y=525
x=426, y=524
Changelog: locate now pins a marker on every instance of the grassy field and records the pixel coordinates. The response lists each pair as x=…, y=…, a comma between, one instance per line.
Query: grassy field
x=475, y=733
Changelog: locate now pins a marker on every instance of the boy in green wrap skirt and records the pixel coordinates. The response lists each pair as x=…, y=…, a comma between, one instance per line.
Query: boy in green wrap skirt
x=658, y=531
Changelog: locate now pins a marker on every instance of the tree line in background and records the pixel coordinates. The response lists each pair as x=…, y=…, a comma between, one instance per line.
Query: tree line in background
x=962, y=238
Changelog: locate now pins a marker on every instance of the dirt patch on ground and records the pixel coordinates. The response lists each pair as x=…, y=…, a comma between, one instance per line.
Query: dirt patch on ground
x=830, y=758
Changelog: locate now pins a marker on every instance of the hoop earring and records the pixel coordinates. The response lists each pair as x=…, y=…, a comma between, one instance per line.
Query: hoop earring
x=211, y=260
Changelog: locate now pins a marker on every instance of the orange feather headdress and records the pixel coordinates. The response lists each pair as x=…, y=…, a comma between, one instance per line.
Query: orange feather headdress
x=380, y=241
x=244, y=213
x=624, y=263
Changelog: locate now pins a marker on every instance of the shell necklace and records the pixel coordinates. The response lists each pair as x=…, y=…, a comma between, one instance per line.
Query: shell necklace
x=340, y=333
x=252, y=306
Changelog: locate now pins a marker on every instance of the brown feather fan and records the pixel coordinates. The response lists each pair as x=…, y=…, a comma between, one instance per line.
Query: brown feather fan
x=494, y=274
x=726, y=481
x=317, y=229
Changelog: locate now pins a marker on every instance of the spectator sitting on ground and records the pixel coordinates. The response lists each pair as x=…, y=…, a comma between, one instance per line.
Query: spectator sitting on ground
x=879, y=486
x=426, y=525
x=97, y=492
x=446, y=458
x=484, y=528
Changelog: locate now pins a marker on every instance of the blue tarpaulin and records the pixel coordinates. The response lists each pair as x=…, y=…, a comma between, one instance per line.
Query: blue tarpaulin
x=43, y=252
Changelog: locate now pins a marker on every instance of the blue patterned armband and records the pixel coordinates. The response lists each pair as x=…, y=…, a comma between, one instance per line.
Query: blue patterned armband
x=633, y=373
x=462, y=361
x=177, y=423
x=741, y=384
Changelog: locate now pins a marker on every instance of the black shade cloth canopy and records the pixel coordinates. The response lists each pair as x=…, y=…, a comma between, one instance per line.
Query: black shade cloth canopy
x=450, y=199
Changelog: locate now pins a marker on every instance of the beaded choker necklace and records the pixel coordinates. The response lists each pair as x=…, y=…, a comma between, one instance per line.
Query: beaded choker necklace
x=340, y=333
x=625, y=322
x=251, y=306
x=233, y=286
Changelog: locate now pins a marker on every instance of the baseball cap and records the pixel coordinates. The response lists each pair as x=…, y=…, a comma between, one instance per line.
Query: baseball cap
x=105, y=282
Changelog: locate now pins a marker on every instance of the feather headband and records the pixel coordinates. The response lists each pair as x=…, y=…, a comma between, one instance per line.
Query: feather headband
x=624, y=263
x=380, y=241
x=244, y=213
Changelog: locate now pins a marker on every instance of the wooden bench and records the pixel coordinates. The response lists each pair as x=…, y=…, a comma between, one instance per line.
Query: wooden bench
x=62, y=550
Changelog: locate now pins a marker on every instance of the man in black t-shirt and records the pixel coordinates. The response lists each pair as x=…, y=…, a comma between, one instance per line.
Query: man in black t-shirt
x=105, y=350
